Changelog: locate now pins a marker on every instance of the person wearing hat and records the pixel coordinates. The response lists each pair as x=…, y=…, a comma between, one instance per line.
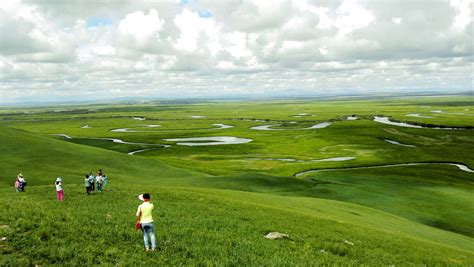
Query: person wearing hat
x=145, y=220
x=59, y=189
x=22, y=182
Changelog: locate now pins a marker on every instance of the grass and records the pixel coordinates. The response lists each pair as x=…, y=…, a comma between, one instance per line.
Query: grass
x=217, y=227
x=440, y=196
x=216, y=203
x=42, y=159
x=365, y=141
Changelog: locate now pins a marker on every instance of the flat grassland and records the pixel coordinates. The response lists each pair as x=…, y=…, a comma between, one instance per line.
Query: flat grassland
x=350, y=190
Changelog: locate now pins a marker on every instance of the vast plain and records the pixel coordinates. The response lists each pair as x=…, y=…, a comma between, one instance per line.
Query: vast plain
x=377, y=181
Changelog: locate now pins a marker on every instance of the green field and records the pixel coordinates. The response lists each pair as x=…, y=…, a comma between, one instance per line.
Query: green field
x=216, y=202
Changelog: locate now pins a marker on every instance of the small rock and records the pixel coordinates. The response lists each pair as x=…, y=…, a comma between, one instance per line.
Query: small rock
x=322, y=251
x=348, y=242
x=3, y=239
x=276, y=235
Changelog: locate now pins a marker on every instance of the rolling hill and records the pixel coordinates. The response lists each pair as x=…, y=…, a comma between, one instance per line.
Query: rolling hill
x=200, y=219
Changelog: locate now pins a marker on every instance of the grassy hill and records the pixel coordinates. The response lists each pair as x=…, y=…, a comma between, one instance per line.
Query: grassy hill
x=209, y=225
x=42, y=159
x=435, y=195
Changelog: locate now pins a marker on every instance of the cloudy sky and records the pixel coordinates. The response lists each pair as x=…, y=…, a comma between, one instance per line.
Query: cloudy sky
x=64, y=50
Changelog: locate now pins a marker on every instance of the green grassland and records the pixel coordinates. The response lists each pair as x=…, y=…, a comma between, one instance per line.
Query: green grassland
x=215, y=203
x=440, y=196
x=206, y=226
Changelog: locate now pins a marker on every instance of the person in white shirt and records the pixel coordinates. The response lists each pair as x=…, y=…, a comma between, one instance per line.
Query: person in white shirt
x=99, y=183
x=22, y=182
x=17, y=184
x=104, y=183
x=59, y=189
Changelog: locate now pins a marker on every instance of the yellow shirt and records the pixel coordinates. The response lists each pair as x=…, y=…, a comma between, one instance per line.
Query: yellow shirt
x=145, y=208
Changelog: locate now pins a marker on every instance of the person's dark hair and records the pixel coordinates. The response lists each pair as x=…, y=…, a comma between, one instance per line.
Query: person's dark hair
x=146, y=196
x=57, y=182
x=87, y=176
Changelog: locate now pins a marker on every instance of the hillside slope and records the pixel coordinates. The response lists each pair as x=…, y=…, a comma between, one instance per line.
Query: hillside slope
x=210, y=226
x=194, y=225
x=42, y=159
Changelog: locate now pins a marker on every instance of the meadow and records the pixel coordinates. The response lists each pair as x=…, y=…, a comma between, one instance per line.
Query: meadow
x=215, y=202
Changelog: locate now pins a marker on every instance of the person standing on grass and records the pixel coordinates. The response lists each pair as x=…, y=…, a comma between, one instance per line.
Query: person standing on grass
x=88, y=185
x=22, y=182
x=59, y=189
x=92, y=180
x=104, y=183
x=99, y=183
x=145, y=219
x=17, y=184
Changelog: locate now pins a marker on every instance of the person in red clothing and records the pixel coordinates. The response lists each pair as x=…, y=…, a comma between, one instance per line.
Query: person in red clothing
x=59, y=189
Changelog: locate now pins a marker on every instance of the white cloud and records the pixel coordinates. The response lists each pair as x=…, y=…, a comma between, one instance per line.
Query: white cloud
x=139, y=28
x=28, y=35
x=104, y=50
x=160, y=48
x=350, y=16
x=463, y=13
x=396, y=20
x=323, y=50
x=192, y=27
x=237, y=45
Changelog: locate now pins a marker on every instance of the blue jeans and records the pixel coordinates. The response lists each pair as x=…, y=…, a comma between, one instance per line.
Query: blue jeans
x=149, y=229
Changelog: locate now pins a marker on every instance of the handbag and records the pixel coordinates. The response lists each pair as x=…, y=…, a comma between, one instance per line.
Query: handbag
x=138, y=225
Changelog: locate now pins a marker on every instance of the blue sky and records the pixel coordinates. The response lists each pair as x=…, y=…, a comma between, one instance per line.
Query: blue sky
x=95, y=22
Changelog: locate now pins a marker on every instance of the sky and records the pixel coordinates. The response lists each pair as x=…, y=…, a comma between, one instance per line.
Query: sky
x=101, y=49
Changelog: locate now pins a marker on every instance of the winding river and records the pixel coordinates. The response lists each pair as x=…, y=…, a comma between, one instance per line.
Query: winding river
x=319, y=125
x=386, y=120
x=129, y=130
x=269, y=127
x=214, y=141
x=221, y=126
x=460, y=166
x=312, y=160
x=352, y=118
x=120, y=141
x=139, y=151
x=266, y=127
x=397, y=143
x=334, y=159
x=418, y=116
x=63, y=135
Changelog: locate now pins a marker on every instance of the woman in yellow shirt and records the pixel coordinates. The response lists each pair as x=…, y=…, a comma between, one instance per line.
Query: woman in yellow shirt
x=145, y=219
